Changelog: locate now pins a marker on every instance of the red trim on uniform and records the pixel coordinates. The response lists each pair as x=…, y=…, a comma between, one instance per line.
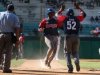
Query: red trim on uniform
x=42, y=23
x=80, y=18
x=60, y=19
x=59, y=22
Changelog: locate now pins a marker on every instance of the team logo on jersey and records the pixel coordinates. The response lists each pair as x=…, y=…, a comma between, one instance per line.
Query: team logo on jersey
x=51, y=26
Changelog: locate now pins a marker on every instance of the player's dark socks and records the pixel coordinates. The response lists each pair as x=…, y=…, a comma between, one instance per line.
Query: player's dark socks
x=49, y=65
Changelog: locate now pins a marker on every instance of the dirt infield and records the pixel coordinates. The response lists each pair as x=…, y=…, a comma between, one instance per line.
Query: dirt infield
x=36, y=67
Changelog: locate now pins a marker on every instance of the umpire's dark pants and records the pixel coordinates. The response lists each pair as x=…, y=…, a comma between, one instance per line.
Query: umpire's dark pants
x=6, y=47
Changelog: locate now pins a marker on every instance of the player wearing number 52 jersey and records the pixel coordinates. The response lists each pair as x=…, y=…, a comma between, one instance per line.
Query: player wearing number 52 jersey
x=71, y=28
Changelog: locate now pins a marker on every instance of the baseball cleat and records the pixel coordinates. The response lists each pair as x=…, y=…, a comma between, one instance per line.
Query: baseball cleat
x=77, y=67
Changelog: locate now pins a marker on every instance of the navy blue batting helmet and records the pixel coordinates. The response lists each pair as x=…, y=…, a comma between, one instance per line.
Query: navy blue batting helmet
x=70, y=12
x=50, y=10
x=10, y=7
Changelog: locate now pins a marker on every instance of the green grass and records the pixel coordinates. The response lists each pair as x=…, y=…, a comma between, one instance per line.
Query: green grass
x=85, y=64
x=16, y=63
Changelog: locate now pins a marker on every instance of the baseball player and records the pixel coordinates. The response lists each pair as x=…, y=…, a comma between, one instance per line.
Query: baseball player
x=21, y=42
x=71, y=29
x=49, y=27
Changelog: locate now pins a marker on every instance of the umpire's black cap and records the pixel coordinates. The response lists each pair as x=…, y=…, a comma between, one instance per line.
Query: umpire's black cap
x=10, y=7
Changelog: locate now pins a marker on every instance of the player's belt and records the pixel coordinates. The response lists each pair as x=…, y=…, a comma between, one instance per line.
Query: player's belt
x=72, y=35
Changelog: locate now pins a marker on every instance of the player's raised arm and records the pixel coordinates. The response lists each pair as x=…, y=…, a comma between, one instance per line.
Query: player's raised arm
x=62, y=8
x=83, y=14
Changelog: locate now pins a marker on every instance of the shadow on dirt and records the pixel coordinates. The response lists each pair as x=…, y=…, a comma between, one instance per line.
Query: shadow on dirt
x=42, y=72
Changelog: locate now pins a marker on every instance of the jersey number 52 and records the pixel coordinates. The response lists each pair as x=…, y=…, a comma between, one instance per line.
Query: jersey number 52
x=71, y=25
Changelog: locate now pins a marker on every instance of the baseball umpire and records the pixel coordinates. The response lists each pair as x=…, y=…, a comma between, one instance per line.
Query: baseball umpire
x=9, y=24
